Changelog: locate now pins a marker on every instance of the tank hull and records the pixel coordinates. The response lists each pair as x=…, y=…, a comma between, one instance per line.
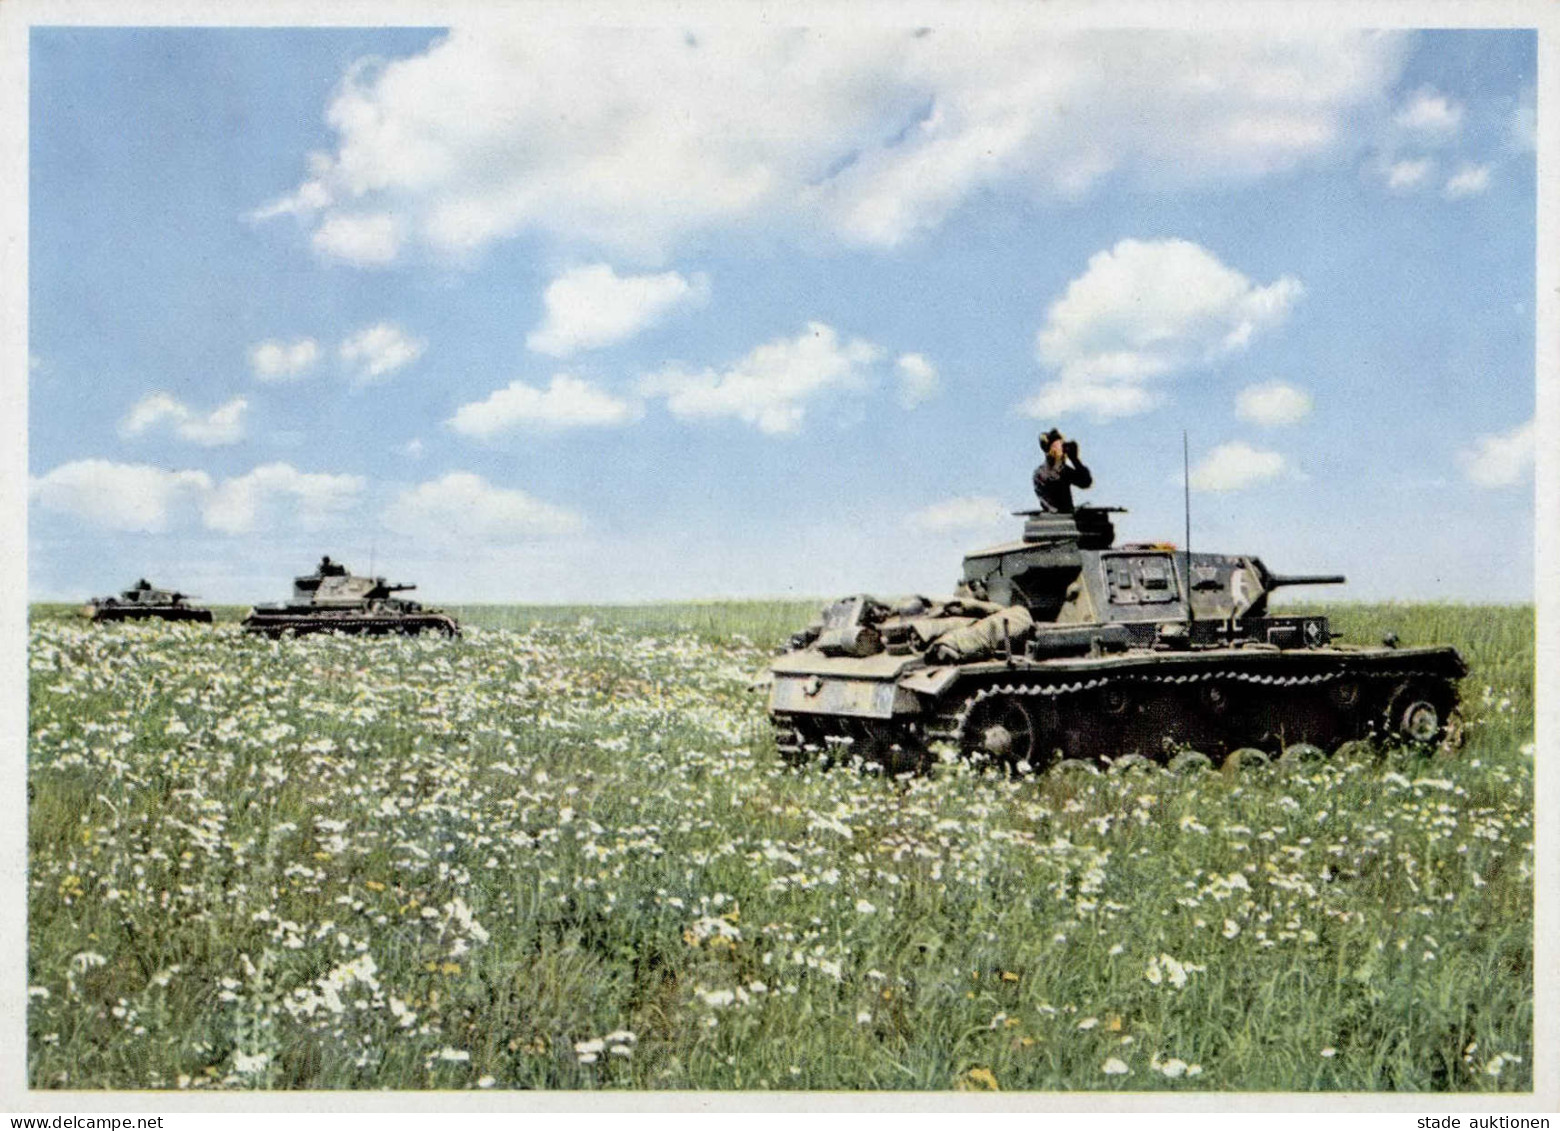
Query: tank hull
x=1150, y=703
x=348, y=622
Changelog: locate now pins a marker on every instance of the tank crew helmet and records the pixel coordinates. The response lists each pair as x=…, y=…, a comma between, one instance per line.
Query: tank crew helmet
x=1049, y=438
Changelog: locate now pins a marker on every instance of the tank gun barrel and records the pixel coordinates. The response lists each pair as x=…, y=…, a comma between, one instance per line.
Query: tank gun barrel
x=1276, y=580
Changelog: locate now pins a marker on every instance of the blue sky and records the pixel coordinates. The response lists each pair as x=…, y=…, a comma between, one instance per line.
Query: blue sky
x=694, y=311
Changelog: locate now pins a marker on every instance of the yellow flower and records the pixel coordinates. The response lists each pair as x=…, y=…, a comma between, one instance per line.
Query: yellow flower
x=984, y=1078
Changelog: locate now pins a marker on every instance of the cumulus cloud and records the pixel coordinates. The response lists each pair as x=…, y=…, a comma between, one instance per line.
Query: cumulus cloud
x=1408, y=174
x=222, y=425
x=1236, y=465
x=283, y=361
x=968, y=512
x=594, y=306
x=771, y=386
x=236, y=505
x=1470, y=180
x=463, y=507
x=1502, y=459
x=567, y=402
x=1142, y=311
x=120, y=496
x=1273, y=404
x=363, y=241
x=1431, y=114
x=636, y=139
x=377, y=351
x=136, y=497
x=918, y=380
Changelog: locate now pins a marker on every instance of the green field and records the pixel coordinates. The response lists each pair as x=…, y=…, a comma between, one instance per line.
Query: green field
x=561, y=852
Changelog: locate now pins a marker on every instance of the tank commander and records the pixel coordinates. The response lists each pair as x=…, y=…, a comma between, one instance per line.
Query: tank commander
x=1060, y=473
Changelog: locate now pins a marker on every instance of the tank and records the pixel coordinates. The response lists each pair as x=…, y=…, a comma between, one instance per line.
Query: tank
x=333, y=599
x=1064, y=645
x=145, y=601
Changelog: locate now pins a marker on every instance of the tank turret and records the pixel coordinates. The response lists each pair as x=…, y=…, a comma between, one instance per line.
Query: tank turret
x=1063, y=643
x=333, y=599
x=1068, y=571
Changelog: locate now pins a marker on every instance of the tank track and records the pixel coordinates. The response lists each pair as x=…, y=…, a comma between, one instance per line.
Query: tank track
x=1369, y=711
x=117, y=614
x=352, y=626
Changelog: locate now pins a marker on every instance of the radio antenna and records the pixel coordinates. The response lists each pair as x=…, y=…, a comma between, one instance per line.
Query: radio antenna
x=1186, y=499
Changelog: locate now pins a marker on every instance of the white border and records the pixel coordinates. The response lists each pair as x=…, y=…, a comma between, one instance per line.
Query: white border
x=16, y=19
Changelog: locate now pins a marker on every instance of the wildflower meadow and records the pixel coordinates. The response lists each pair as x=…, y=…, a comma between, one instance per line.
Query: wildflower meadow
x=561, y=852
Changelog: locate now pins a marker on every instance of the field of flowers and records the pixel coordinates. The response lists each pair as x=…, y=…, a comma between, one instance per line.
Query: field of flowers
x=560, y=852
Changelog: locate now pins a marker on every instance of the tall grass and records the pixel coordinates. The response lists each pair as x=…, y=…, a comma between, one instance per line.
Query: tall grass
x=561, y=852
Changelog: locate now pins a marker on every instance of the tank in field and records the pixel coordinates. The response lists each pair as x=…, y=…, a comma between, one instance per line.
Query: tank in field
x=333, y=599
x=145, y=601
x=1064, y=645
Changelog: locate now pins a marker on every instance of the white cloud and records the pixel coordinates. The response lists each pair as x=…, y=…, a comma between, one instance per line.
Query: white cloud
x=413, y=448
x=1470, y=180
x=120, y=496
x=222, y=425
x=770, y=387
x=283, y=361
x=635, y=139
x=377, y=351
x=1236, y=465
x=567, y=402
x=363, y=241
x=968, y=512
x=1500, y=460
x=594, y=306
x=1099, y=402
x=136, y=497
x=918, y=380
x=1272, y=404
x=462, y=507
x=1431, y=114
x=236, y=505
x=1408, y=174
x=1144, y=310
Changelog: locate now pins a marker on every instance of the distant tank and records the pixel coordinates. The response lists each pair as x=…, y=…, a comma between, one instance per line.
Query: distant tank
x=1066, y=646
x=332, y=599
x=144, y=601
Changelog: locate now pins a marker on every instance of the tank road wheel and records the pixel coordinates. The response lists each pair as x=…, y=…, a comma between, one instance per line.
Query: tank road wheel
x=1000, y=730
x=1132, y=764
x=1419, y=713
x=1006, y=730
x=1247, y=759
x=1189, y=762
